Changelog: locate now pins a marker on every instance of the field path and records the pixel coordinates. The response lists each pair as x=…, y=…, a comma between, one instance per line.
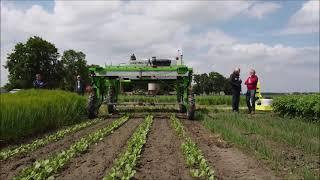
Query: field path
x=162, y=157
x=100, y=157
x=228, y=162
x=11, y=167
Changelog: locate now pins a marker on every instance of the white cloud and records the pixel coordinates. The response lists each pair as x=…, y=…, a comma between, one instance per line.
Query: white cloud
x=260, y=10
x=305, y=20
x=109, y=31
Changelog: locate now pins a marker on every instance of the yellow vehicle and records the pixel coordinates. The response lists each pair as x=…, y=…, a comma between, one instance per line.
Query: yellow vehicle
x=261, y=103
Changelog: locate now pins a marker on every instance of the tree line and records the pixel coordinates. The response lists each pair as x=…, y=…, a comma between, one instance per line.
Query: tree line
x=38, y=56
x=211, y=83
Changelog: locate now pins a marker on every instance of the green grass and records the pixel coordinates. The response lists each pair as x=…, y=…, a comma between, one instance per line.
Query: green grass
x=200, y=100
x=281, y=142
x=31, y=112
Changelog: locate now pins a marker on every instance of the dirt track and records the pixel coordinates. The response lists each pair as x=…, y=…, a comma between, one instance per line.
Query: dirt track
x=94, y=163
x=161, y=157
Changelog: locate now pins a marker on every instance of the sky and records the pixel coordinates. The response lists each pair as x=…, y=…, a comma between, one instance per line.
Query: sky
x=279, y=39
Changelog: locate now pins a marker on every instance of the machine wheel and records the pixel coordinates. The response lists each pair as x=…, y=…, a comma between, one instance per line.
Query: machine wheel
x=192, y=105
x=111, y=95
x=92, y=110
x=182, y=108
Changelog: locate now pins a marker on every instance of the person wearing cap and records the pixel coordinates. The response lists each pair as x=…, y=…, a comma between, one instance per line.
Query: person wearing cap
x=79, y=86
x=236, y=89
x=251, y=83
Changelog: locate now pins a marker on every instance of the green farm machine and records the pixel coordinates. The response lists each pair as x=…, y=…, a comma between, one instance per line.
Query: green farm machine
x=106, y=83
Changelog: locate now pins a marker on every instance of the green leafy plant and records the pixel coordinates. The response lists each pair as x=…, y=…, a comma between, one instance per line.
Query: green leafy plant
x=42, y=169
x=124, y=165
x=307, y=106
x=195, y=160
x=24, y=148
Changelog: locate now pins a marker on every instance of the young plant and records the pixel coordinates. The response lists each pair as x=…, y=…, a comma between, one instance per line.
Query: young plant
x=195, y=160
x=124, y=165
x=43, y=169
x=24, y=148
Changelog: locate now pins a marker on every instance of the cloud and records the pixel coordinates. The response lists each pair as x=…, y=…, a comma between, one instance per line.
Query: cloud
x=109, y=31
x=305, y=20
x=260, y=10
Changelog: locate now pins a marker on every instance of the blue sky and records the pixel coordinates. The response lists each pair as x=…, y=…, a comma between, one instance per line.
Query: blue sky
x=215, y=35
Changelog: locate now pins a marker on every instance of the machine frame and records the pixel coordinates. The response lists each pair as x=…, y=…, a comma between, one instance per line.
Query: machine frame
x=106, y=82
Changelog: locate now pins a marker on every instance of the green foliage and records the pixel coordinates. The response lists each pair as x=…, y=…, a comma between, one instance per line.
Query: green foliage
x=307, y=106
x=200, y=100
x=74, y=64
x=43, y=169
x=124, y=165
x=198, y=165
x=210, y=83
x=34, y=56
x=35, y=111
x=24, y=148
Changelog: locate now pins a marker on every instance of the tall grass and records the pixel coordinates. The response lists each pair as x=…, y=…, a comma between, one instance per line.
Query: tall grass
x=201, y=100
x=30, y=112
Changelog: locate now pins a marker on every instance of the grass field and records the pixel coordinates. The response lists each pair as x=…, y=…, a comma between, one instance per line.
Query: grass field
x=36, y=111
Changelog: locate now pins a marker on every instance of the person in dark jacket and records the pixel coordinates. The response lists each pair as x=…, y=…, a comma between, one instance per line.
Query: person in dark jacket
x=38, y=83
x=236, y=89
x=79, y=86
x=251, y=83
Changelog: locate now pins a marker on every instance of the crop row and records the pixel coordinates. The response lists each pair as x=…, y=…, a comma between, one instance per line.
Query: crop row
x=124, y=165
x=195, y=160
x=43, y=169
x=30, y=112
x=201, y=100
x=7, y=153
x=307, y=106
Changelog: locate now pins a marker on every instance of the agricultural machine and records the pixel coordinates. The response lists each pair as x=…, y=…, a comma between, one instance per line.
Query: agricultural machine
x=153, y=73
x=262, y=104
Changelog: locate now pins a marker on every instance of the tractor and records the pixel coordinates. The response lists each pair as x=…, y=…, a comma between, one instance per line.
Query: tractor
x=106, y=83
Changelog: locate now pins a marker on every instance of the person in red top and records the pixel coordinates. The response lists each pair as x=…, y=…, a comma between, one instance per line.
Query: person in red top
x=251, y=83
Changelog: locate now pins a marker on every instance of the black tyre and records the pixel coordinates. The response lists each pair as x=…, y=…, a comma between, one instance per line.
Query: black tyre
x=192, y=105
x=111, y=96
x=91, y=107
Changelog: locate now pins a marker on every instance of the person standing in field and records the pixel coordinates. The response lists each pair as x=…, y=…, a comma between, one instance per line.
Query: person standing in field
x=251, y=83
x=79, y=88
x=38, y=83
x=236, y=89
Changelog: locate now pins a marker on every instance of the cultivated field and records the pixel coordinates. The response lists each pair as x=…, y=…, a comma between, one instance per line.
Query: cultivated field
x=159, y=143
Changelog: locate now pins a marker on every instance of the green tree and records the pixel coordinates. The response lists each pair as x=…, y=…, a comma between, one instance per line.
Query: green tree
x=217, y=82
x=35, y=56
x=213, y=82
x=74, y=63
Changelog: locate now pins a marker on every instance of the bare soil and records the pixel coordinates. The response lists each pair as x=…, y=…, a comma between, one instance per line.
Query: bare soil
x=162, y=157
x=228, y=162
x=100, y=157
x=11, y=167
